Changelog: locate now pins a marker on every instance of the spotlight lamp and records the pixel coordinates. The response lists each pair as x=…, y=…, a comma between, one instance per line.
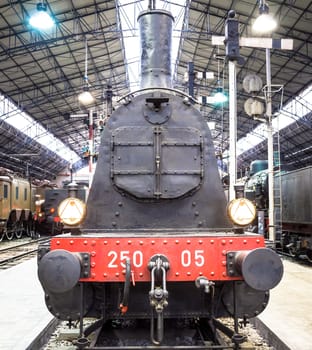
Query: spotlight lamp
x=40, y=19
x=85, y=97
x=219, y=97
x=265, y=23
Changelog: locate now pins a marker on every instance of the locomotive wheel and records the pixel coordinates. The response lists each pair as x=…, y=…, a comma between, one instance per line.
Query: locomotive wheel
x=27, y=228
x=293, y=252
x=9, y=233
x=19, y=230
x=2, y=234
x=31, y=230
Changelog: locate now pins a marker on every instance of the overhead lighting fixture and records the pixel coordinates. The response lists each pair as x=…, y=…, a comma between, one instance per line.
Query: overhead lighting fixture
x=86, y=97
x=265, y=23
x=220, y=97
x=40, y=19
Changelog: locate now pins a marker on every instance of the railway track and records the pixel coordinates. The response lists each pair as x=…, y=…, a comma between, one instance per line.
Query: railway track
x=62, y=337
x=14, y=254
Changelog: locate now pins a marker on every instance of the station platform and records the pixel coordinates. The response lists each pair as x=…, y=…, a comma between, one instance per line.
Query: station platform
x=23, y=313
x=287, y=321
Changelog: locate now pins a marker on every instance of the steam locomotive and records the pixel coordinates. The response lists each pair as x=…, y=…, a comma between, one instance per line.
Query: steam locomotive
x=49, y=221
x=154, y=242
x=294, y=211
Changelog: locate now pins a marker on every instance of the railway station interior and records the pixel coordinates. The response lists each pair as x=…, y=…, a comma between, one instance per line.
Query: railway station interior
x=252, y=84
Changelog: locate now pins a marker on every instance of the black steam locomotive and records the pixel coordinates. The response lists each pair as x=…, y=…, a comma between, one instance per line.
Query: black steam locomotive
x=156, y=246
x=294, y=206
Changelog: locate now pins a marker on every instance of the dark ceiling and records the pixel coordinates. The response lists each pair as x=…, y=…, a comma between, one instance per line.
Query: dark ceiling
x=43, y=73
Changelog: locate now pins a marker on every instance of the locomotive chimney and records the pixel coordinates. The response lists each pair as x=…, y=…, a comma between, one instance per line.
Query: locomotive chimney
x=155, y=36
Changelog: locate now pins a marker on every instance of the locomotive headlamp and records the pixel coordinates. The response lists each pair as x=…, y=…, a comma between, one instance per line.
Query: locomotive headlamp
x=241, y=211
x=72, y=211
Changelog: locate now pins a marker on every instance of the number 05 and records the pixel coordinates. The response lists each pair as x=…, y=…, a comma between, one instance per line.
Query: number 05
x=188, y=256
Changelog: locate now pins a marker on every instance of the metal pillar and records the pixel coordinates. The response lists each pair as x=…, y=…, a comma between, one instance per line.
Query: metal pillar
x=270, y=147
x=232, y=129
x=191, y=78
x=90, y=145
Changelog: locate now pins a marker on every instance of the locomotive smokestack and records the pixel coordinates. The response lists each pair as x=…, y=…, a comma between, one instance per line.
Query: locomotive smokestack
x=155, y=36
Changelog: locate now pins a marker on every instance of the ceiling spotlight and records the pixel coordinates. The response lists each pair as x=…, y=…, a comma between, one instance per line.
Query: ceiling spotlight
x=41, y=19
x=219, y=97
x=85, y=97
x=265, y=23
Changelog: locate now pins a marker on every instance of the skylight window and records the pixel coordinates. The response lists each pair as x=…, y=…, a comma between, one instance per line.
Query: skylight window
x=24, y=123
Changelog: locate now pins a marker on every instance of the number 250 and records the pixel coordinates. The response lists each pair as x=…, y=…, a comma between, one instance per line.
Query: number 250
x=136, y=258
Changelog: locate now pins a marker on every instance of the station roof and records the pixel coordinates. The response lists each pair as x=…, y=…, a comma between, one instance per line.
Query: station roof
x=42, y=73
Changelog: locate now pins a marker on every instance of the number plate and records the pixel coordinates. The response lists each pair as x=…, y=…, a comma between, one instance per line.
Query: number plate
x=188, y=257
